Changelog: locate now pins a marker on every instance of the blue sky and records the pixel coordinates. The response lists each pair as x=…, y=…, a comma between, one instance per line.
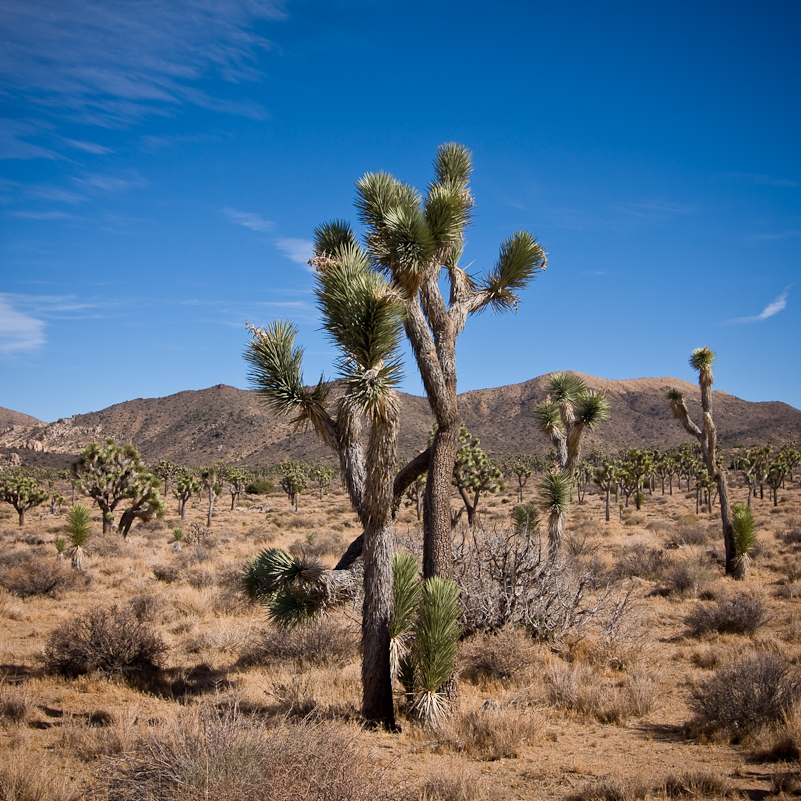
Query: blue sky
x=164, y=163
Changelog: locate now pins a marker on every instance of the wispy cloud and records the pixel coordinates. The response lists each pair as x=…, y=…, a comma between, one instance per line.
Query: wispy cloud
x=654, y=210
x=19, y=331
x=109, y=63
x=248, y=219
x=297, y=250
x=774, y=307
x=89, y=147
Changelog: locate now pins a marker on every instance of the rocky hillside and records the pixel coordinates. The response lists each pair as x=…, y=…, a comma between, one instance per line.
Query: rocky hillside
x=197, y=427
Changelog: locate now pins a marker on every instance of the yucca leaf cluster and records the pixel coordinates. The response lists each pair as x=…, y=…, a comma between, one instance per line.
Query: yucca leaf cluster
x=79, y=532
x=288, y=587
x=425, y=635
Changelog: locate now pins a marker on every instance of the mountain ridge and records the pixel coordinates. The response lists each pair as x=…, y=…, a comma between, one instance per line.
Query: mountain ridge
x=223, y=422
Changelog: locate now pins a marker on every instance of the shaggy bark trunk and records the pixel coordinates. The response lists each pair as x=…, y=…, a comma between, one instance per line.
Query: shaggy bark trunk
x=437, y=551
x=21, y=513
x=377, y=703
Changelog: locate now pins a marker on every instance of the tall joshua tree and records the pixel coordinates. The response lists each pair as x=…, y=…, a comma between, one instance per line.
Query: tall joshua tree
x=416, y=240
x=362, y=312
x=569, y=408
x=702, y=360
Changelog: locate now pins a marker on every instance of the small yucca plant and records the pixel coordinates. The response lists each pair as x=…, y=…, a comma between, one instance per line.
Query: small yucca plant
x=745, y=535
x=79, y=532
x=436, y=633
x=61, y=544
x=406, y=596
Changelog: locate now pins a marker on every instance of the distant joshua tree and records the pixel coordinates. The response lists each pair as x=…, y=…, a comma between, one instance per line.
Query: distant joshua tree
x=702, y=360
x=569, y=408
x=21, y=490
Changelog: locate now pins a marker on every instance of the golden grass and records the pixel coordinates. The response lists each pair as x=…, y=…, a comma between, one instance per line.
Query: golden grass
x=534, y=720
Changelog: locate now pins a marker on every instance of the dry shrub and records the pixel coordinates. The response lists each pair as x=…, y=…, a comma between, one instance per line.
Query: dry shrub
x=783, y=740
x=787, y=783
x=329, y=641
x=224, y=634
x=147, y=606
x=689, y=532
x=29, y=777
x=576, y=688
x=640, y=562
x=16, y=703
x=295, y=699
x=609, y=788
x=200, y=579
x=494, y=732
x=792, y=537
x=167, y=573
x=226, y=755
x=108, y=639
x=700, y=784
x=199, y=534
x=502, y=655
x=744, y=696
x=458, y=785
x=10, y=609
x=688, y=578
x=736, y=615
x=43, y=577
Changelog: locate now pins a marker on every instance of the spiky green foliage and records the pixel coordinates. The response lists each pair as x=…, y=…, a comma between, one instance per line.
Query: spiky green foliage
x=79, y=532
x=436, y=645
x=363, y=314
x=453, y=164
x=547, y=416
x=554, y=492
x=526, y=517
x=591, y=409
x=112, y=473
x=745, y=531
x=275, y=370
x=565, y=389
x=288, y=587
x=406, y=589
x=331, y=236
x=702, y=360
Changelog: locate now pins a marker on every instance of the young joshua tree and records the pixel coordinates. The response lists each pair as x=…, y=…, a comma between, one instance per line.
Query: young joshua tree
x=702, y=360
x=569, y=408
x=79, y=532
x=363, y=313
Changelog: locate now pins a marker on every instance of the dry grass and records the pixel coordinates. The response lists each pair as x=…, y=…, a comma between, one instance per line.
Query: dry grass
x=535, y=719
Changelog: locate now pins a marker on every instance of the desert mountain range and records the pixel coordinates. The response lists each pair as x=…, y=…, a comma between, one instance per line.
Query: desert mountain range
x=234, y=425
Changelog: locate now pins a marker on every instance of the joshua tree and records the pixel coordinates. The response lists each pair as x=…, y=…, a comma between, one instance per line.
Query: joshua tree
x=237, y=480
x=753, y=464
x=293, y=481
x=146, y=503
x=569, y=408
x=79, y=532
x=208, y=478
x=474, y=474
x=22, y=491
x=416, y=240
x=362, y=312
x=186, y=486
x=165, y=470
x=702, y=360
x=322, y=475
x=521, y=467
x=112, y=474
x=607, y=477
